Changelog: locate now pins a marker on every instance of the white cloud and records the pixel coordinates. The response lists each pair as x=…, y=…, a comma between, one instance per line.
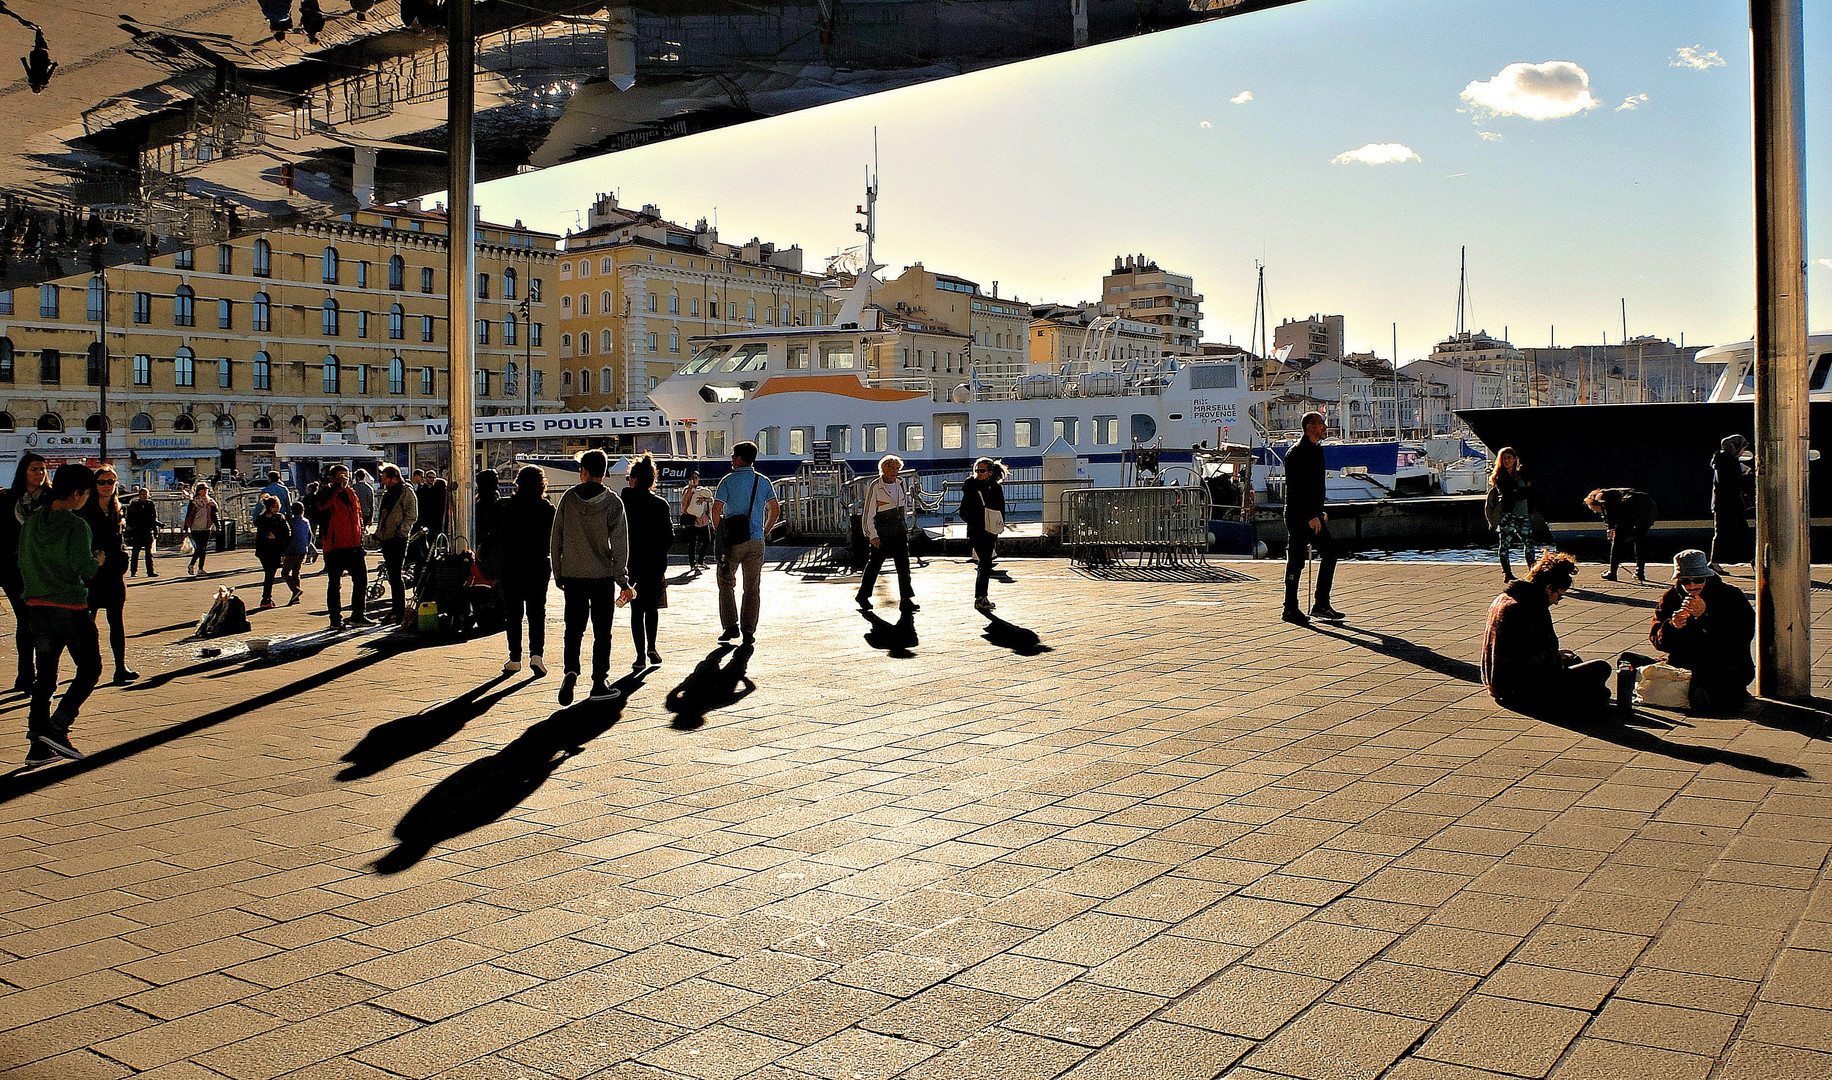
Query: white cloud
x=1241, y=98
x=1490, y=136
x=1827, y=263
x=1205, y=125
x=1545, y=91
x=1632, y=102
x=1376, y=153
x=1695, y=57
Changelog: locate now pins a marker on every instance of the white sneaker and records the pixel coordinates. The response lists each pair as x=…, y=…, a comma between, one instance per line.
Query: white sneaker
x=512, y=667
x=984, y=604
x=537, y=665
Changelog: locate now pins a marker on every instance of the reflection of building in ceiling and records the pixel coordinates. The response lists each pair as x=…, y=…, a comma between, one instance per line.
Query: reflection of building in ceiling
x=203, y=126
x=312, y=327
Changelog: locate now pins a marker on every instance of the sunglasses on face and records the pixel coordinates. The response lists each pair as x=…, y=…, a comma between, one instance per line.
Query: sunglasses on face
x=104, y=480
x=1692, y=580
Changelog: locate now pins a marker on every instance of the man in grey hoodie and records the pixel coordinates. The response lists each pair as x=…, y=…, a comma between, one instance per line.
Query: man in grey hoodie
x=590, y=548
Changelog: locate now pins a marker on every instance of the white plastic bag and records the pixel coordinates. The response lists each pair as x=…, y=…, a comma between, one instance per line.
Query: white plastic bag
x=1663, y=686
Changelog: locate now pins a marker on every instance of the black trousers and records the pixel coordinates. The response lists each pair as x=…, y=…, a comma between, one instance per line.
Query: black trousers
x=1297, y=550
x=22, y=637
x=337, y=563
x=897, y=549
x=139, y=547
x=1635, y=536
x=394, y=556
x=591, y=600
x=985, y=554
x=1730, y=539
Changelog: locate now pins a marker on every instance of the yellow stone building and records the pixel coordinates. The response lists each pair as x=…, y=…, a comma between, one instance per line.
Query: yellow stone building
x=633, y=288
x=216, y=353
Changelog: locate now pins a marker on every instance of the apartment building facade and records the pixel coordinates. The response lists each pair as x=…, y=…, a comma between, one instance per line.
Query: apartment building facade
x=1138, y=288
x=997, y=343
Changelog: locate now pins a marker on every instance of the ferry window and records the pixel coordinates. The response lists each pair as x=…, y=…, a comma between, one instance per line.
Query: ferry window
x=986, y=435
x=1821, y=368
x=910, y=436
x=1024, y=433
x=715, y=444
x=1212, y=377
x=837, y=357
x=704, y=359
x=799, y=438
x=769, y=441
x=877, y=438
x=798, y=358
x=840, y=436
x=953, y=434
x=1063, y=428
x=1144, y=427
x=742, y=360
x=1106, y=430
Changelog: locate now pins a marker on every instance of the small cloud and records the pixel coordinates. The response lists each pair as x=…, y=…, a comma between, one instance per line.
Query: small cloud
x=1696, y=58
x=1631, y=102
x=1381, y=153
x=1205, y=125
x=1548, y=91
x=1827, y=263
x=1490, y=136
x=1241, y=98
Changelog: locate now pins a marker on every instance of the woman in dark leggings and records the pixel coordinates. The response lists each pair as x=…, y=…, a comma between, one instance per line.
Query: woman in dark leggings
x=30, y=491
x=982, y=507
x=651, y=534
x=108, y=588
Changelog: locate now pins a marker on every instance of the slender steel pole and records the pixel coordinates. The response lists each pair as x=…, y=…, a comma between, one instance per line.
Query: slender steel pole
x=101, y=389
x=461, y=259
x=1783, y=548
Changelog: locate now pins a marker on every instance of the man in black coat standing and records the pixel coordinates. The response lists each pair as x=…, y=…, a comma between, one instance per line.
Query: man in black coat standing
x=1306, y=524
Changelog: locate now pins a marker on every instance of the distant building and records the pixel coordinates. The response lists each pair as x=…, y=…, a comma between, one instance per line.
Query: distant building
x=995, y=328
x=1312, y=340
x=1659, y=368
x=1140, y=289
x=1059, y=332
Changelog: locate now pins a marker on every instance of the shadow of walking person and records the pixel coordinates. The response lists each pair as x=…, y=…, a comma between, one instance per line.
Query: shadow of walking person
x=1401, y=649
x=712, y=684
x=402, y=738
x=896, y=639
x=1018, y=639
x=485, y=790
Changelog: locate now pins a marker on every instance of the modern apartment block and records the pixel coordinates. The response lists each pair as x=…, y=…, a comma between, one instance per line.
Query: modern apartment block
x=1138, y=288
x=1312, y=340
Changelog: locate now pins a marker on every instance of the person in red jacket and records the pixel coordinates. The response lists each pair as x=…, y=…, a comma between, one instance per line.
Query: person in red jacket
x=342, y=541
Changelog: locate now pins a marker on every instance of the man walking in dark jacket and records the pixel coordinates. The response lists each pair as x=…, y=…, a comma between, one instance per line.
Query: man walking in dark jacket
x=590, y=550
x=1306, y=524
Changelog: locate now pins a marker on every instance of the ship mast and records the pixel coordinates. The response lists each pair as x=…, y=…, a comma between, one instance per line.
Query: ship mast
x=852, y=311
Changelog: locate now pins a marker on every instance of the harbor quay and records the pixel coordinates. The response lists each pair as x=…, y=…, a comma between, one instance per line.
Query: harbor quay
x=1121, y=827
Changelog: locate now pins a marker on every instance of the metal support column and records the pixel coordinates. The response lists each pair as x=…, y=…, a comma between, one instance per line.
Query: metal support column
x=461, y=261
x=1783, y=549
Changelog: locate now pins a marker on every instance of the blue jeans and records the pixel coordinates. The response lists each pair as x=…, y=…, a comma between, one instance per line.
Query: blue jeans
x=53, y=631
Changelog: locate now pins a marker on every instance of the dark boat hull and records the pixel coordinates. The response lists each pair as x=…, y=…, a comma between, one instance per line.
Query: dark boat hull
x=1664, y=449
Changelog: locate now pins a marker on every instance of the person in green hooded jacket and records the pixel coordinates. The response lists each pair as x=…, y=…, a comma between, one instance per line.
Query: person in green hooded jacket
x=56, y=562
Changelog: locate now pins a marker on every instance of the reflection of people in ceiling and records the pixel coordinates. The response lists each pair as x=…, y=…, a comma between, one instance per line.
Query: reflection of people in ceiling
x=279, y=15
x=311, y=19
x=39, y=66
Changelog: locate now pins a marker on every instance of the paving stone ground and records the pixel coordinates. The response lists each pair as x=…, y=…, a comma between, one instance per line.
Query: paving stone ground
x=1131, y=829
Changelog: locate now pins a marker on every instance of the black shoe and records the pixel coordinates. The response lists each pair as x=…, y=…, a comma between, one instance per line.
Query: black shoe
x=1295, y=617
x=337, y=624
x=863, y=600
x=149, y=573
x=909, y=605
x=604, y=691
x=360, y=620
x=123, y=676
x=1324, y=611
x=39, y=755
x=730, y=634
x=59, y=744
x=1611, y=576
x=749, y=640
x=570, y=680
x=655, y=658
x=640, y=665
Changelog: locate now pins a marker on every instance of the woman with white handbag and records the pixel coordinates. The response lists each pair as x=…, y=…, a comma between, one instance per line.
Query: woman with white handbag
x=983, y=510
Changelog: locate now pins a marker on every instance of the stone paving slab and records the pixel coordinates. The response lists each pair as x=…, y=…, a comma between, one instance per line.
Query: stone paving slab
x=1126, y=829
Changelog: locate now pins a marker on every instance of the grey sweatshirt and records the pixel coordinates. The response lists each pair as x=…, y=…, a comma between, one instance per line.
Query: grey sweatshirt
x=590, y=537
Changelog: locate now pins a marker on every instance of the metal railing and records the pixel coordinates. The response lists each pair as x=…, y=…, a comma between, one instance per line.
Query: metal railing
x=1143, y=527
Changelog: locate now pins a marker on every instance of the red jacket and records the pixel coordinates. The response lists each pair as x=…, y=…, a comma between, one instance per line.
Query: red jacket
x=343, y=519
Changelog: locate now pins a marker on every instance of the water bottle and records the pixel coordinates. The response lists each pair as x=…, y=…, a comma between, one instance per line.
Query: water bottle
x=1625, y=688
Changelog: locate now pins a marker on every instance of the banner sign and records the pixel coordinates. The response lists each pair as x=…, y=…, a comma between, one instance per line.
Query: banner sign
x=523, y=426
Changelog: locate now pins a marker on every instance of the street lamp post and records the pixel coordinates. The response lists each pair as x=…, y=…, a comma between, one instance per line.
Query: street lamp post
x=527, y=307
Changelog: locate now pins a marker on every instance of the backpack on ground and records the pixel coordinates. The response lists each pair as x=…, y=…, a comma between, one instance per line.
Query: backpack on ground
x=228, y=614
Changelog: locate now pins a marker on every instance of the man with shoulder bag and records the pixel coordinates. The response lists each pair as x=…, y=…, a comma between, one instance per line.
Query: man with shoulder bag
x=744, y=510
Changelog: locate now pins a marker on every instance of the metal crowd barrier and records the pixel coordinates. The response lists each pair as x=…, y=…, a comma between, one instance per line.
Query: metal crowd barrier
x=1137, y=527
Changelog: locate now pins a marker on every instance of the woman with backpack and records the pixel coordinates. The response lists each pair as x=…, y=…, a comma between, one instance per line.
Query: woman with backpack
x=108, y=588
x=199, y=520
x=272, y=535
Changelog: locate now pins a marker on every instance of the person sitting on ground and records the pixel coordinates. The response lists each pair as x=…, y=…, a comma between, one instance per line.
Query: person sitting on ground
x=1629, y=514
x=1522, y=665
x=1705, y=624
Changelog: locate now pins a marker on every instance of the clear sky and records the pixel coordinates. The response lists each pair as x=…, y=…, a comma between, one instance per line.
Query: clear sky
x=1584, y=152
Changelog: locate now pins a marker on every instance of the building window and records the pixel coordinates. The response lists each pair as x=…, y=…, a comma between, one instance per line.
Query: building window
x=534, y=335
x=263, y=259
x=537, y=382
x=397, y=323
x=483, y=331
x=750, y=310
x=512, y=380
x=362, y=324
x=534, y=290
x=50, y=366
x=183, y=259
x=96, y=300
x=674, y=303
x=225, y=375
x=605, y=303
x=143, y=308
x=565, y=344
x=483, y=286
x=6, y=301
x=511, y=330
x=6, y=360
x=426, y=328
x=332, y=375
x=330, y=318
x=1024, y=432
x=362, y=274
x=184, y=307
x=140, y=422
x=47, y=301
x=362, y=378
x=96, y=366
x=426, y=279
x=606, y=380
x=566, y=379
x=397, y=376
x=184, y=368
x=585, y=268
x=263, y=371
x=693, y=306
x=585, y=343
x=143, y=370
x=653, y=304
x=566, y=307
x=652, y=347
x=397, y=272
x=329, y=265
x=225, y=315
x=263, y=314
x=605, y=265
x=225, y=259
x=585, y=380
x=184, y=422
x=674, y=341
x=427, y=382
x=483, y=382
x=509, y=284
x=566, y=271
x=604, y=342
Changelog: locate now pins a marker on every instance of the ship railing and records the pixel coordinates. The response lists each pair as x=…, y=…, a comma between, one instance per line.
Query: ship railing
x=1156, y=528
x=819, y=501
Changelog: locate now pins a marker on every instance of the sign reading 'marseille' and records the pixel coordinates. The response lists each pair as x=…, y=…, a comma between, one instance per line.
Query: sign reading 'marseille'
x=521, y=426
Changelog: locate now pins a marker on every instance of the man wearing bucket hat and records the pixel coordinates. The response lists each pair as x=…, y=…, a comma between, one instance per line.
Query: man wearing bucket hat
x=1705, y=624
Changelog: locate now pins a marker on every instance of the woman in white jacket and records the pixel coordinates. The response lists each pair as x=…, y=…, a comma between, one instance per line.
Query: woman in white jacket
x=882, y=516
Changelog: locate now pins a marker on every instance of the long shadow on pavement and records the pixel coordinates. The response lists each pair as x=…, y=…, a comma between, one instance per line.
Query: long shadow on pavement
x=490, y=787
x=1018, y=639
x=1605, y=724
x=402, y=738
x=896, y=639
x=1401, y=649
x=1594, y=597
x=712, y=684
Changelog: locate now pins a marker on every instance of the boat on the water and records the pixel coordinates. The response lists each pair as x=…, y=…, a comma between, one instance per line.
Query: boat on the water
x=1664, y=449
